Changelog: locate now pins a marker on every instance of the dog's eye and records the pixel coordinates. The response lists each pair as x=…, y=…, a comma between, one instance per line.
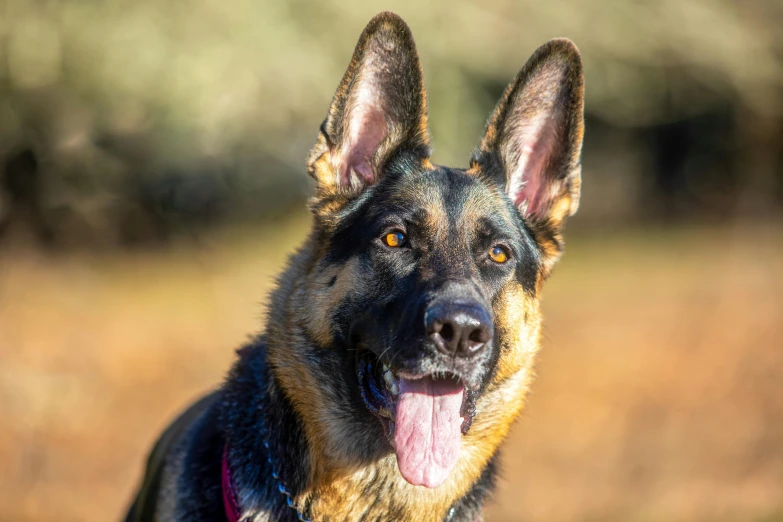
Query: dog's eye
x=394, y=239
x=498, y=254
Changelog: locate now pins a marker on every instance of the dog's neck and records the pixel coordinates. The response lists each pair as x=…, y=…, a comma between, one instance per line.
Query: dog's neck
x=334, y=463
x=256, y=414
x=264, y=439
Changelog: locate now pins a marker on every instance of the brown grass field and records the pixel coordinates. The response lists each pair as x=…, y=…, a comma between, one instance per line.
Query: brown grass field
x=659, y=396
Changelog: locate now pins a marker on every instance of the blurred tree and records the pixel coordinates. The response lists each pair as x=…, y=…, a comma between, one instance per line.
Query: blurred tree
x=124, y=102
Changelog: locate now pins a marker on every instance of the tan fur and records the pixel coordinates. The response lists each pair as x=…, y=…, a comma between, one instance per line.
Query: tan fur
x=339, y=493
x=388, y=35
x=339, y=483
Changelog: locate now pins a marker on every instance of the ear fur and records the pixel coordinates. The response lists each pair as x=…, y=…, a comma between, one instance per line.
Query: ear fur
x=378, y=111
x=533, y=140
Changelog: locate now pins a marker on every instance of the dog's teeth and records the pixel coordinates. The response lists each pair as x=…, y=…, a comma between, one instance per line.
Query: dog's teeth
x=385, y=368
x=394, y=388
x=389, y=378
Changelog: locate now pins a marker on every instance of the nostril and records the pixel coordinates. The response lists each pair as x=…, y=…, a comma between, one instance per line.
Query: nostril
x=479, y=336
x=447, y=332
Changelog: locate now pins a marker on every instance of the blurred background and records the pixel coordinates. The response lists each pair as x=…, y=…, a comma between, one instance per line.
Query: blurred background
x=152, y=183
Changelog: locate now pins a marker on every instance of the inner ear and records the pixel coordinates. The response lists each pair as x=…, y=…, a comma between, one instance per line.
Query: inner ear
x=365, y=133
x=534, y=147
x=379, y=109
x=533, y=139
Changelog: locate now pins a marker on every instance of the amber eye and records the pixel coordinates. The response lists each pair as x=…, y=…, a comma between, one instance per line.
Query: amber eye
x=394, y=239
x=498, y=254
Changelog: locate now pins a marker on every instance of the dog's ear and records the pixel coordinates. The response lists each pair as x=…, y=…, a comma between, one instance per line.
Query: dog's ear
x=533, y=140
x=379, y=110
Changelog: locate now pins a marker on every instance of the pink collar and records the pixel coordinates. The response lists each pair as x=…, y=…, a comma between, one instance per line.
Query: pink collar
x=230, y=504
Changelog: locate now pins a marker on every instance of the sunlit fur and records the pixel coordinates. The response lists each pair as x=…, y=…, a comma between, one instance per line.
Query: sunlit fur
x=295, y=389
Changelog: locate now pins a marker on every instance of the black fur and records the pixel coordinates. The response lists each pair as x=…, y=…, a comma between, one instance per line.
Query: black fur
x=304, y=415
x=248, y=405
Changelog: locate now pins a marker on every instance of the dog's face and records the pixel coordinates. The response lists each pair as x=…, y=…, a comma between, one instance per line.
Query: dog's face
x=431, y=250
x=422, y=293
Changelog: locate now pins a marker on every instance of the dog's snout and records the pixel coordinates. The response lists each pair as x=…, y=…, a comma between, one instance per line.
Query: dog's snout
x=459, y=329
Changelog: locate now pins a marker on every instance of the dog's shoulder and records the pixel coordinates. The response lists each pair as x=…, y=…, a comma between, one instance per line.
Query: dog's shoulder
x=176, y=454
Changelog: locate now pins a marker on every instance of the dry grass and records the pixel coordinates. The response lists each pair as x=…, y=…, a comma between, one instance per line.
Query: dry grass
x=659, y=394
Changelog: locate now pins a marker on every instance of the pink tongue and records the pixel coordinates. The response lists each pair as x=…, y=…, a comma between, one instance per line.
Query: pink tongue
x=428, y=437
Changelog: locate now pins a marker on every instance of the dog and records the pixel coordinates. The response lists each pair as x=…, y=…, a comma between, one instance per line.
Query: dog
x=400, y=339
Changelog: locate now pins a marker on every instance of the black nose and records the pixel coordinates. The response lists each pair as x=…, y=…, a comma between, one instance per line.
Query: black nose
x=460, y=329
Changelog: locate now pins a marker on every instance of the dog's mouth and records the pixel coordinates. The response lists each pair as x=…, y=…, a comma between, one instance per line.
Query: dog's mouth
x=424, y=417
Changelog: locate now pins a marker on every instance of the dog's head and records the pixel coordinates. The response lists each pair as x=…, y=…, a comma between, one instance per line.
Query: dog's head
x=418, y=292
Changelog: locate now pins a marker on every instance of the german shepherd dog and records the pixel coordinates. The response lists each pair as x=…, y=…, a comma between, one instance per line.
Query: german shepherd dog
x=400, y=339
